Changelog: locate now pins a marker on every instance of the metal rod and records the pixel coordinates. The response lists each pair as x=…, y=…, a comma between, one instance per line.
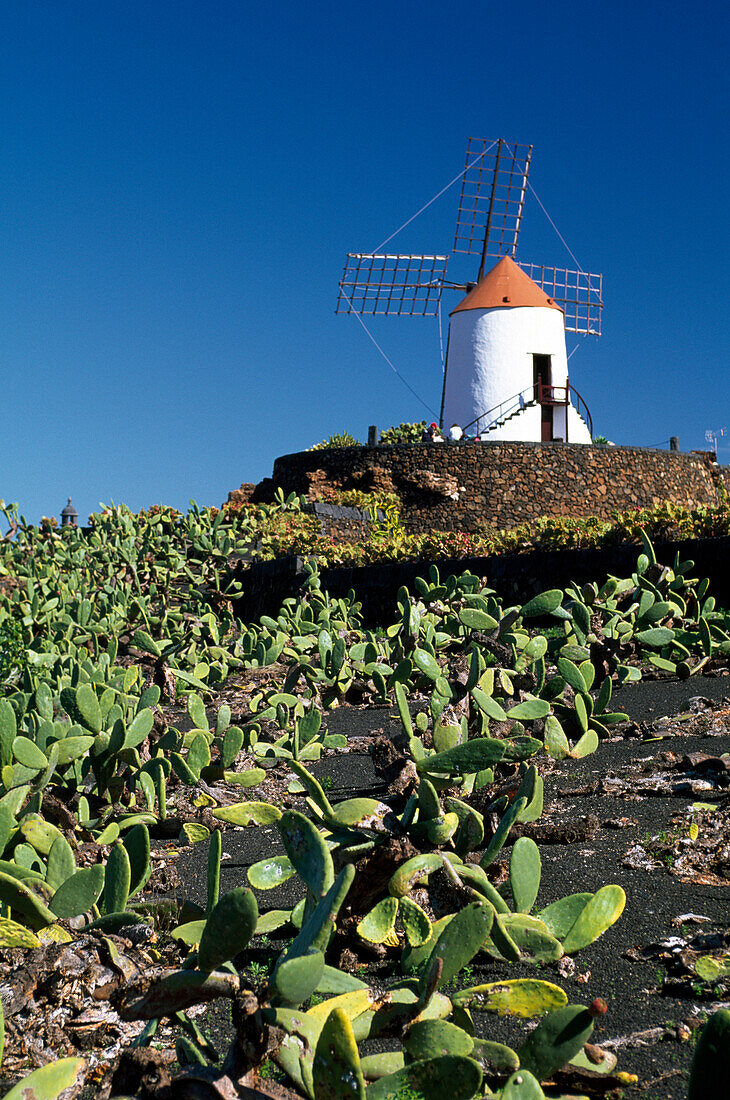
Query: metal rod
x=480, y=276
x=521, y=201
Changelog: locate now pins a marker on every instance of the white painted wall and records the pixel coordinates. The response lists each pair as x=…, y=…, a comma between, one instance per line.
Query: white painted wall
x=490, y=360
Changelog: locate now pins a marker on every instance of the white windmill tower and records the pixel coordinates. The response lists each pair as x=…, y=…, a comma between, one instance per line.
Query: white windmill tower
x=506, y=371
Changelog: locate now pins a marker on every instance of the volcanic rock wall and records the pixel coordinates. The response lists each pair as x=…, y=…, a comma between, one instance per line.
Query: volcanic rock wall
x=458, y=486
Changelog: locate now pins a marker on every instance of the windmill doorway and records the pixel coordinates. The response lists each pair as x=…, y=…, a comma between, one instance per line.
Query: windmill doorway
x=542, y=379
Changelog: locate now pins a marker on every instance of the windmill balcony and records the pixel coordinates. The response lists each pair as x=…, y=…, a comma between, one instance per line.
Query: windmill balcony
x=551, y=395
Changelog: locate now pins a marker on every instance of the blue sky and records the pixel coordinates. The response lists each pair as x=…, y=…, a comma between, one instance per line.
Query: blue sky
x=181, y=182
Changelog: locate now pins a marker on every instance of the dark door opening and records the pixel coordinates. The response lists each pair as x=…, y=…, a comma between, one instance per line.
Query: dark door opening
x=541, y=373
x=546, y=423
x=542, y=380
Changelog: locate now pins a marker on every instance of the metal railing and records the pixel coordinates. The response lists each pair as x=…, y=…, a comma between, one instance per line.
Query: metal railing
x=504, y=409
x=539, y=394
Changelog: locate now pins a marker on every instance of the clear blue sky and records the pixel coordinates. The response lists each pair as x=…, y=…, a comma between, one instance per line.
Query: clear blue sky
x=181, y=182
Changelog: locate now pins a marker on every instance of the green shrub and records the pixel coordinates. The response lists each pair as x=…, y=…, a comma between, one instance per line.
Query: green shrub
x=339, y=439
x=12, y=651
x=403, y=433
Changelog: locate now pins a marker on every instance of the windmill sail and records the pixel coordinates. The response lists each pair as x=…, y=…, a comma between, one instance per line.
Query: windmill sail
x=578, y=293
x=492, y=198
x=393, y=285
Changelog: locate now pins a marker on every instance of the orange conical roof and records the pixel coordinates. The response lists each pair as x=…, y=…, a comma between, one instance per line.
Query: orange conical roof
x=506, y=286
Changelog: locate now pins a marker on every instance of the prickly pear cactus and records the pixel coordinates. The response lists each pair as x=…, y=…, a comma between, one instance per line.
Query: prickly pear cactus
x=708, y=1077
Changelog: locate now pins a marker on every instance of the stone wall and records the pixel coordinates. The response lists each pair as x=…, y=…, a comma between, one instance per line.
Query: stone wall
x=341, y=523
x=458, y=486
x=515, y=577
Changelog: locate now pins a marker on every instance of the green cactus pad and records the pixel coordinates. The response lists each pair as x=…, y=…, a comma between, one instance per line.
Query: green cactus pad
x=446, y=737
x=556, y=743
x=359, y=813
x=228, y=929
x=40, y=834
x=607, y=1063
x=524, y=873
x=426, y=663
x=603, y=910
x=50, y=1081
x=585, y=745
x=494, y=1058
x=475, y=619
x=113, y=923
x=544, y=604
x=117, y=880
x=450, y=1075
x=85, y=707
x=500, y=835
x=522, y=997
x=460, y=940
x=296, y=1053
x=437, y=831
x=530, y=936
x=27, y=753
x=272, y=920
x=78, y=893
x=556, y=1040
x=428, y=801
x=488, y=705
x=8, y=732
x=336, y=1072
x=529, y=710
x=500, y=941
x=232, y=745
x=73, y=748
x=295, y=980
x=270, y=872
x=416, y=924
x=432, y=1038
x=334, y=981
x=137, y=844
x=24, y=901
x=473, y=875
x=380, y=1065
x=562, y=915
x=251, y=777
x=13, y=934
x=522, y=1086
x=656, y=636
x=190, y=933
x=571, y=674
x=378, y=926
x=248, y=813
x=470, y=833
x=413, y=958
x=708, y=1077
x=139, y=729
x=473, y=756
x=307, y=851
x=317, y=928
x=412, y=872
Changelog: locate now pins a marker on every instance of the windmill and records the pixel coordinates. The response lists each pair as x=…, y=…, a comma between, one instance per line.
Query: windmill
x=506, y=370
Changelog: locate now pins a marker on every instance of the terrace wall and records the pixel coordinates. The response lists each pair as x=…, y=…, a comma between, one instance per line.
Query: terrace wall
x=459, y=486
x=515, y=577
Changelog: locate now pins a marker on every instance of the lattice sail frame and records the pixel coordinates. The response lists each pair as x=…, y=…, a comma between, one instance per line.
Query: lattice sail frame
x=578, y=293
x=488, y=222
x=392, y=284
x=492, y=197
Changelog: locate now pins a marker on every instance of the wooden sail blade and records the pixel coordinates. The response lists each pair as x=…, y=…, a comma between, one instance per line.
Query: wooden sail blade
x=492, y=197
x=394, y=285
x=578, y=293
